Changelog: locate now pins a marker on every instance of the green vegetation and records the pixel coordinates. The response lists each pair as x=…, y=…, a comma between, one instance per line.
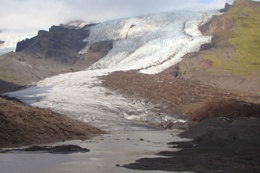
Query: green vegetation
x=244, y=17
x=233, y=66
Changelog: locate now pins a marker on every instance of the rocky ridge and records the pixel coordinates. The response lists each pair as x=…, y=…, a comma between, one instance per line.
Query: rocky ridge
x=59, y=43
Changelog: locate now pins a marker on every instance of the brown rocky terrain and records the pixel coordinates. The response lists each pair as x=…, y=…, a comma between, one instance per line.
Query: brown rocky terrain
x=178, y=96
x=21, y=124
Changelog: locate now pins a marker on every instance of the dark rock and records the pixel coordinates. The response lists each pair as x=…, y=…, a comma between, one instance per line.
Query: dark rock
x=226, y=8
x=133, y=25
x=59, y=43
x=102, y=46
x=95, y=52
x=2, y=42
x=205, y=46
x=68, y=149
x=63, y=149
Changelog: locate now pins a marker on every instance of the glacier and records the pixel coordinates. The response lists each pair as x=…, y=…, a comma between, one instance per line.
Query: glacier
x=148, y=43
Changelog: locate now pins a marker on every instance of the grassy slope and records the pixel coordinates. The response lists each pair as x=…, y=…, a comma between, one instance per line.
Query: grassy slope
x=244, y=35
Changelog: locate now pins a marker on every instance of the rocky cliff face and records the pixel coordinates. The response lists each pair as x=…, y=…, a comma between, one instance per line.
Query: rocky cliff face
x=59, y=43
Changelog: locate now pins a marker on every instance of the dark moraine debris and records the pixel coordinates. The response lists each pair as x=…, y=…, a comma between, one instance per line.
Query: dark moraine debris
x=62, y=149
x=219, y=145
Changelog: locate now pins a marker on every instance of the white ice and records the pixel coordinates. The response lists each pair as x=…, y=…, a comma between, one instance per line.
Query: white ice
x=149, y=43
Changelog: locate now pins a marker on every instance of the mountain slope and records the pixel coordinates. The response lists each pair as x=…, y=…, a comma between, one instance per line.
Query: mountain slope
x=24, y=67
x=232, y=60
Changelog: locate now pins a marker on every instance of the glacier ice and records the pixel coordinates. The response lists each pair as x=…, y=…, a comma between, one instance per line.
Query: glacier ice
x=149, y=43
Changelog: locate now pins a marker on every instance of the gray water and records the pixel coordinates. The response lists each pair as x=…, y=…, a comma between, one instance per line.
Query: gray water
x=105, y=152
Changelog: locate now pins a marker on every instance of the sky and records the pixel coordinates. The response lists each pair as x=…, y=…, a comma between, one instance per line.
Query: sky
x=33, y=15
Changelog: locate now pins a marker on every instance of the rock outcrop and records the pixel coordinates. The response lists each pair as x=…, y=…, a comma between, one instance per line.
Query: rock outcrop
x=60, y=149
x=226, y=8
x=59, y=43
x=95, y=52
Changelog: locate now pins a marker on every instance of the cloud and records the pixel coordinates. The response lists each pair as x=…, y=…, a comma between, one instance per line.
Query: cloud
x=32, y=15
